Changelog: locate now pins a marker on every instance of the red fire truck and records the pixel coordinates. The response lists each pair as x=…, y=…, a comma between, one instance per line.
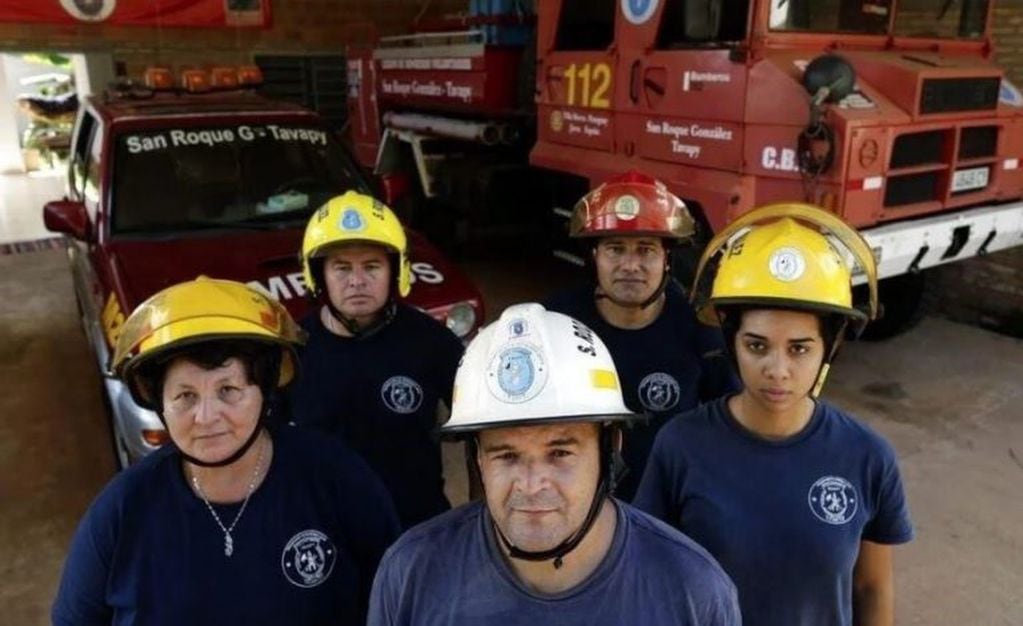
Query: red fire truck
x=891, y=113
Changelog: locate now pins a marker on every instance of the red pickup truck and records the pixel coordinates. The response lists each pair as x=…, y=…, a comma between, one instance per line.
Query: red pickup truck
x=163, y=187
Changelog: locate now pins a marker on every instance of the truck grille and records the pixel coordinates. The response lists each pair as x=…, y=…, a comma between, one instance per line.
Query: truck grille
x=912, y=188
x=925, y=167
x=949, y=95
x=914, y=149
x=978, y=141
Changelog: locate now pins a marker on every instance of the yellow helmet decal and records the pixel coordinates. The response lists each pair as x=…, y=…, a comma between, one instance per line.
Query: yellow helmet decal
x=355, y=218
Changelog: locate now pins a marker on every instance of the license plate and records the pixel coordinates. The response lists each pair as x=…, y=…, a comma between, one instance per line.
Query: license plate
x=973, y=178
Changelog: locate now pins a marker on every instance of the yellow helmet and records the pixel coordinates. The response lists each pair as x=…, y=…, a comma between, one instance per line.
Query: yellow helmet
x=780, y=255
x=354, y=218
x=200, y=310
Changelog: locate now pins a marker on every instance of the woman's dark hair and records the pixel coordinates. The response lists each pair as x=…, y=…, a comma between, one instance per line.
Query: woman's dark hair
x=260, y=361
x=831, y=325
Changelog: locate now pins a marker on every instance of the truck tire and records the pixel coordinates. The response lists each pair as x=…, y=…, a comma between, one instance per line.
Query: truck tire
x=903, y=305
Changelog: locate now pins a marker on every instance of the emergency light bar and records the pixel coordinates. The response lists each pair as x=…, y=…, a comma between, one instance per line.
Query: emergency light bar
x=198, y=80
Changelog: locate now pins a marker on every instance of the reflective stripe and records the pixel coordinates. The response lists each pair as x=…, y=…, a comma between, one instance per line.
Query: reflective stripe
x=604, y=379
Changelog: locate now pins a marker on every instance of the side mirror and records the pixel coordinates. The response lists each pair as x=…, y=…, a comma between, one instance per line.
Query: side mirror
x=394, y=187
x=68, y=217
x=829, y=78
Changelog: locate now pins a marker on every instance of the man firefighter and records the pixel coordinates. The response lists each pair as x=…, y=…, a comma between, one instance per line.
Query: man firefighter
x=669, y=362
x=374, y=368
x=538, y=396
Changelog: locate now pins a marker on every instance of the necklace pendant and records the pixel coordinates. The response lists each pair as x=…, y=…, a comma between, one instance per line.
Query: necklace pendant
x=228, y=544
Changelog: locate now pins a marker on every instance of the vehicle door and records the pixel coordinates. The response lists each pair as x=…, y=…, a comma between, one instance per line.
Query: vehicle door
x=681, y=92
x=101, y=312
x=575, y=73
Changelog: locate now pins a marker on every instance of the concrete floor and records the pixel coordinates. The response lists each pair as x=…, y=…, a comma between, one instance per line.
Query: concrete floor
x=55, y=451
x=949, y=397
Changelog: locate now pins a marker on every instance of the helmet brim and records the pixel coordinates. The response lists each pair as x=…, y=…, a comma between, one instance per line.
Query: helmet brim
x=658, y=234
x=325, y=250
x=459, y=430
x=129, y=368
x=709, y=313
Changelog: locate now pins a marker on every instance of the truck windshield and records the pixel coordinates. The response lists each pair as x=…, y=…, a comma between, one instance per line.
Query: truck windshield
x=228, y=176
x=946, y=19
x=941, y=19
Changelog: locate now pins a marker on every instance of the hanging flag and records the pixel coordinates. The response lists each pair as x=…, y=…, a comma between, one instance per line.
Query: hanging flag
x=195, y=13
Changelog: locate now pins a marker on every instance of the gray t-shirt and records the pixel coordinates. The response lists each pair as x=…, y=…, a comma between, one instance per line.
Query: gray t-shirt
x=449, y=570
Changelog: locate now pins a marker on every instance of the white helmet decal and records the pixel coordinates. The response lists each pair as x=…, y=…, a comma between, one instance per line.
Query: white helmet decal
x=517, y=374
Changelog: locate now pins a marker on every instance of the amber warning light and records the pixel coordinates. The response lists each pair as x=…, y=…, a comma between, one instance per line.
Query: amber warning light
x=198, y=80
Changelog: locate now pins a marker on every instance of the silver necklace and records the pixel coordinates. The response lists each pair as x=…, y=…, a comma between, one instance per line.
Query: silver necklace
x=228, y=539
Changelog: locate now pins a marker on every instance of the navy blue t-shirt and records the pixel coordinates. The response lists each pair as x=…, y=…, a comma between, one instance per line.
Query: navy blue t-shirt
x=666, y=367
x=380, y=395
x=450, y=571
x=784, y=518
x=148, y=551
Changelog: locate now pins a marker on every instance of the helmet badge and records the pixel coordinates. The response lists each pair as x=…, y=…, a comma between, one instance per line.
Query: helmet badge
x=518, y=327
x=517, y=374
x=351, y=220
x=787, y=264
x=627, y=207
x=557, y=121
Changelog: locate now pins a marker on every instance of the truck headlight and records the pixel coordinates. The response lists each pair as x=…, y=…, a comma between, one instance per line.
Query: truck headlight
x=460, y=319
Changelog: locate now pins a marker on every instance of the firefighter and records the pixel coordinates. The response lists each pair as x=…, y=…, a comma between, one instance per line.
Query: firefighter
x=237, y=521
x=538, y=395
x=799, y=501
x=668, y=361
x=374, y=369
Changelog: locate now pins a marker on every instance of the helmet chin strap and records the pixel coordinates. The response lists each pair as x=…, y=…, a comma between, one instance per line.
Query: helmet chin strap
x=608, y=477
x=822, y=374
x=364, y=332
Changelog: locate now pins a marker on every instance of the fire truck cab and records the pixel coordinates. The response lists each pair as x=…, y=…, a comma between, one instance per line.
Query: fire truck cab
x=921, y=150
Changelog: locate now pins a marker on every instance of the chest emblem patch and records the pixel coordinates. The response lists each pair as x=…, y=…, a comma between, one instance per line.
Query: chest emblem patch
x=658, y=392
x=833, y=500
x=308, y=558
x=401, y=394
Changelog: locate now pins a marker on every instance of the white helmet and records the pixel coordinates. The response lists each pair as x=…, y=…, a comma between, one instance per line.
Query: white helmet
x=534, y=366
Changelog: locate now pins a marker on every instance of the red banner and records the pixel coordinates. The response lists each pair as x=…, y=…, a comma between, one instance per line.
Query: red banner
x=196, y=13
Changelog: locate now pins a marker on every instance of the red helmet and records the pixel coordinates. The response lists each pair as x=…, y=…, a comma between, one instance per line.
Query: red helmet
x=631, y=204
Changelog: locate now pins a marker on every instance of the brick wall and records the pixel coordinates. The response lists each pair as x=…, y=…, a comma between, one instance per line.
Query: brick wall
x=298, y=26
x=1007, y=28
